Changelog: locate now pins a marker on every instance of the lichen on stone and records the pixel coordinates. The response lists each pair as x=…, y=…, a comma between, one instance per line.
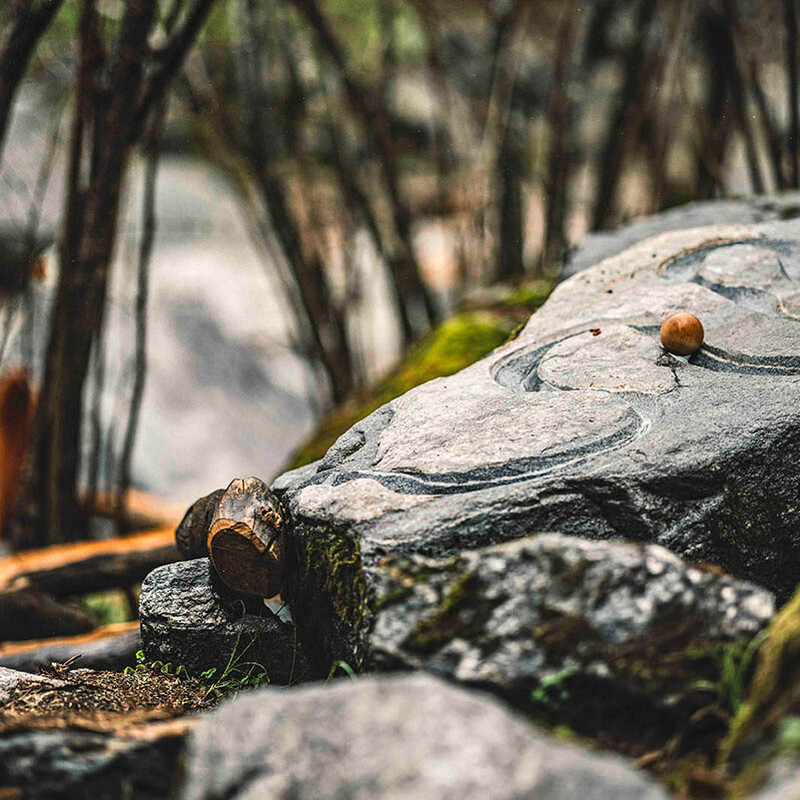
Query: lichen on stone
x=328, y=593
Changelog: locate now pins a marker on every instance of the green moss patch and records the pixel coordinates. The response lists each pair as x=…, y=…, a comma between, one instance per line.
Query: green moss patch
x=327, y=593
x=456, y=617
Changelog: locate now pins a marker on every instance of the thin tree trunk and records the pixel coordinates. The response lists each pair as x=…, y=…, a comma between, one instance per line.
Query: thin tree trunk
x=360, y=207
x=376, y=121
x=793, y=139
x=559, y=118
x=624, y=120
x=715, y=125
x=771, y=135
x=29, y=21
x=510, y=265
x=739, y=96
x=149, y=223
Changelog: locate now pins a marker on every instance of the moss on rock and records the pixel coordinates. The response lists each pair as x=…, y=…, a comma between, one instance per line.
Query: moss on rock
x=774, y=688
x=455, y=617
x=327, y=593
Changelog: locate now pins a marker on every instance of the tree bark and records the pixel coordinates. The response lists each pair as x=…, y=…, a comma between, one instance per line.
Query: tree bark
x=245, y=542
x=626, y=118
x=793, y=86
x=29, y=21
x=559, y=118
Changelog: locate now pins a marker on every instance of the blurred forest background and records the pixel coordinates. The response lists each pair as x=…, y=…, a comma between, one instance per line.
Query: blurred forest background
x=220, y=219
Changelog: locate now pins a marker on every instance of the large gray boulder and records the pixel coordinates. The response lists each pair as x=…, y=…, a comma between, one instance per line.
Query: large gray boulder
x=582, y=425
x=608, y=637
x=189, y=618
x=599, y=245
x=390, y=739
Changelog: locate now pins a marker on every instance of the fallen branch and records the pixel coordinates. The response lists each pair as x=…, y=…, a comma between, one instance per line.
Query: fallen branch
x=245, y=542
x=71, y=569
x=111, y=647
x=26, y=611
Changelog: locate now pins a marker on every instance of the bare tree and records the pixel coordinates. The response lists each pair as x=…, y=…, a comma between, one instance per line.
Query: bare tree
x=367, y=104
x=119, y=83
x=560, y=141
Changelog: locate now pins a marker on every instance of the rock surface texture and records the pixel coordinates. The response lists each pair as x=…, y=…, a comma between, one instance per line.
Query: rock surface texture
x=391, y=738
x=582, y=425
x=187, y=617
x=599, y=245
x=588, y=630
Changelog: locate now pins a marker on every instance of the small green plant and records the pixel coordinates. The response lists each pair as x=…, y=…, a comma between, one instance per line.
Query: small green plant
x=166, y=668
x=735, y=662
x=237, y=674
x=344, y=667
x=551, y=690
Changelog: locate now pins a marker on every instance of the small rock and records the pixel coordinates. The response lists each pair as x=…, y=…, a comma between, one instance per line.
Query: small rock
x=386, y=739
x=189, y=618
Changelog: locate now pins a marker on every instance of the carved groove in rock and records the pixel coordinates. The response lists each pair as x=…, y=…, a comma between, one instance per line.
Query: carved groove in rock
x=585, y=425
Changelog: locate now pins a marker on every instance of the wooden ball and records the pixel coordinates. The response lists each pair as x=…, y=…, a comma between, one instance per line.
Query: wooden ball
x=682, y=333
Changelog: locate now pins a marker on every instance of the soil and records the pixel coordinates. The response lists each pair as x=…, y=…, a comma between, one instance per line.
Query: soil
x=101, y=700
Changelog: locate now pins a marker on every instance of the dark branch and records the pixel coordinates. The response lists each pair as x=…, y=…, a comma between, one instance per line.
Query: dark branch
x=29, y=22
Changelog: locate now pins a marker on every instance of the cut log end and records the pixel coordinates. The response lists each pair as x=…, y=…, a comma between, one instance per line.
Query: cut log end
x=243, y=561
x=241, y=529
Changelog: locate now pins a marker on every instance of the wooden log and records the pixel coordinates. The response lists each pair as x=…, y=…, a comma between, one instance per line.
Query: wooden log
x=27, y=612
x=245, y=541
x=69, y=569
x=111, y=647
x=191, y=535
